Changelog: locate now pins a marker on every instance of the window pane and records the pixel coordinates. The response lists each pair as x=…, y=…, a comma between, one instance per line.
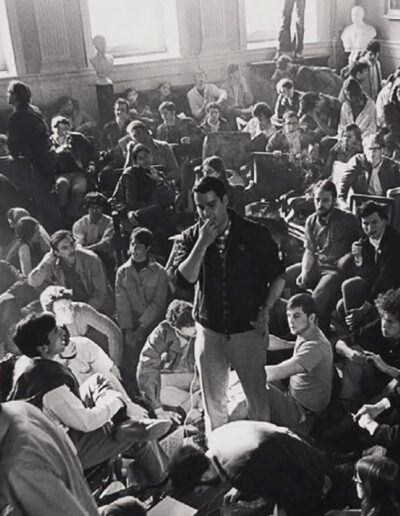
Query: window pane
x=7, y=63
x=130, y=26
x=263, y=20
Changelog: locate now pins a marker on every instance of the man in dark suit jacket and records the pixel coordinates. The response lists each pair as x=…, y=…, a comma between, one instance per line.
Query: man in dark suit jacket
x=371, y=172
x=375, y=269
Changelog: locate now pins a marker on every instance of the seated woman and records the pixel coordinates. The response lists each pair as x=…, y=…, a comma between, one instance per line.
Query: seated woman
x=260, y=127
x=358, y=109
x=79, y=120
x=214, y=166
x=377, y=480
x=213, y=122
x=144, y=194
x=30, y=246
x=74, y=162
x=308, y=114
x=166, y=370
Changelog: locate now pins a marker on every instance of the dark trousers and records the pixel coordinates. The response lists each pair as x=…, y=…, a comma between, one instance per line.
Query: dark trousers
x=286, y=44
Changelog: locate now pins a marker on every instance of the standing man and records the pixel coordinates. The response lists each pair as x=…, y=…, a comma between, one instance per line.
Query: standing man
x=287, y=45
x=238, y=275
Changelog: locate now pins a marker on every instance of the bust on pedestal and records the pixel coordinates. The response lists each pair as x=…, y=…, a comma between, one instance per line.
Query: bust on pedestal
x=355, y=37
x=103, y=64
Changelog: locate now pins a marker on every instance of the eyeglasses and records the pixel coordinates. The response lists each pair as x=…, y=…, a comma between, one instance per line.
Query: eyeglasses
x=356, y=479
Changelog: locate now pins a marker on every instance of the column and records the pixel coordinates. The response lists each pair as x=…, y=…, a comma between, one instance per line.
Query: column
x=53, y=36
x=213, y=26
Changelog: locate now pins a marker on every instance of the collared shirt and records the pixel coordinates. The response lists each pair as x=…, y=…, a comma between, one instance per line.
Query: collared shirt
x=87, y=232
x=375, y=185
x=312, y=388
x=331, y=237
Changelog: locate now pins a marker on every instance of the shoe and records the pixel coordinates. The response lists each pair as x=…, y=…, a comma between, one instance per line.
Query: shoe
x=143, y=430
x=299, y=56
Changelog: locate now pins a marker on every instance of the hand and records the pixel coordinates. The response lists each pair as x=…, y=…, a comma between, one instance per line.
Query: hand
x=354, y=317
x=172, y=416
x=357, y=356
x=277, y=154
x=261, y=324
x=356, y=250
x=364, y=420
x=372, y=411
x=185, y=140
x=232, y=496
x=136, y=411
x=208, y=233
x=301, y=280
x=91, y=168
x=379, y=363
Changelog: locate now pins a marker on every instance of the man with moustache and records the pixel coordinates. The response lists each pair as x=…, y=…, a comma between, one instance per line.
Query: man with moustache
x=238, y=275
x=329, y=234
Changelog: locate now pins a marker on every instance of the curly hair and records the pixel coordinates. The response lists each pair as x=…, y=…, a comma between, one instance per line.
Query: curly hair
x=389, y=302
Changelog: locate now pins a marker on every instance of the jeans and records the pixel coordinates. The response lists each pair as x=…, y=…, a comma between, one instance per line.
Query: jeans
x=246, y=353
x=286, y=44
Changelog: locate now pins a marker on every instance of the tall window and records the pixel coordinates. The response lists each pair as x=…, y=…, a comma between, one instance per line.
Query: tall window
x=136, y=27
x=7, y=62
x=263, y=19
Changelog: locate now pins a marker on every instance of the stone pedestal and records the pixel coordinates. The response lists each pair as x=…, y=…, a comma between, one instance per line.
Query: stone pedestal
x=105, y=102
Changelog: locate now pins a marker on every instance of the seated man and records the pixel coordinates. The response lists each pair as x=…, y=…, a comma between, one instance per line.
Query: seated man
x=166, y=370
x=239, y=96
x=259, y=460
x=288, y=99
x=111, y=134
x=348, y=146
x=82, y=320
x=374, y=269
x=75, y=268
x=182, y=131
x=329, y=234
x=82, y=411
x=202, y=93
x=371, y=353
x=141, y=289
x=95, y=231
x=291, y=138
x=79, y=120
x=75, y=159
x=161, y=153
x=309, y=370
x=214, y=122
x=40, y=471
x=371, y=172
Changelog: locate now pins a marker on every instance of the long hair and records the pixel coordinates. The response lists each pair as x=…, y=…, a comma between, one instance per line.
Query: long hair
x=379, y=477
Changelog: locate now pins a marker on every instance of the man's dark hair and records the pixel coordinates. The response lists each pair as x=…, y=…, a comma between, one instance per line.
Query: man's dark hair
x=186, y=468
x=59, y=235
x=136, y=124
x=354, y=129
x=179, y=314
x=376, y=139
x=122, y=102
x=96, y=198
x=285, y=83
x=262, y=108
x=370, y=207
x=327, y=186
x=303, y=301
x=32, y=332
x=358, y=67
x=210, y=184
x=283, y=62
x=353, y=88
x=139, y=147
x=142, y=236
x=125, y=506
x=25, y=228
x=389, y=302
x=374, y=46
x=21, y=91
x=168, y=105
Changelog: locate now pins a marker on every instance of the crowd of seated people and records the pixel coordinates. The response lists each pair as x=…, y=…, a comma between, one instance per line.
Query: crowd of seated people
x=94, y=330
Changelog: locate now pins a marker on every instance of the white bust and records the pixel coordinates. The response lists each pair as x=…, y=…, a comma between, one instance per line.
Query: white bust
x=355, y=37
x=103, y=63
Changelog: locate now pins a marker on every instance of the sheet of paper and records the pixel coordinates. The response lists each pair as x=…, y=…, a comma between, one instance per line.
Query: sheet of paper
x=170, y=506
